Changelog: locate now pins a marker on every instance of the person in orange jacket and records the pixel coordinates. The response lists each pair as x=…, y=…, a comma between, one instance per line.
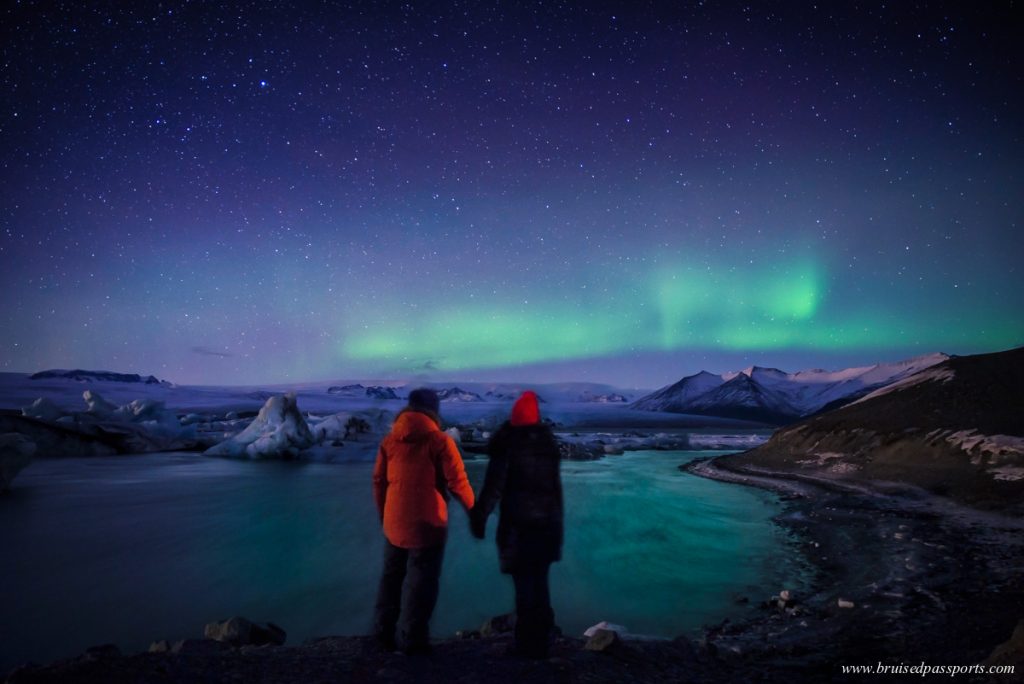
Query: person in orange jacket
x=417, y=464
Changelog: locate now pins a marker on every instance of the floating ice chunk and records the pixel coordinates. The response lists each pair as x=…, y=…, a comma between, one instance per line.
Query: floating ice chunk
x=279, y=431
x=43, y=409
x=329, y=428
x=151, y=414
x=96, y=404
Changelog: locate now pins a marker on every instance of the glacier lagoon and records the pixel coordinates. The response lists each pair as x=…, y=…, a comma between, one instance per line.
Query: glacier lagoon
x=128, y=550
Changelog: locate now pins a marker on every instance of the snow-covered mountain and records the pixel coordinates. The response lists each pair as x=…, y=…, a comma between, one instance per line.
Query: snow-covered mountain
x=456, y=394
x=954, y=429
x=775, y=396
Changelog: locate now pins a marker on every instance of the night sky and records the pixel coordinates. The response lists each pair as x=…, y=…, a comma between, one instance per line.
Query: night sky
x=258, y=192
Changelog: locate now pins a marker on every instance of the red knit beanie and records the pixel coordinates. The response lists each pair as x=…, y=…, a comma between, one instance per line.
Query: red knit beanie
x=525, y=411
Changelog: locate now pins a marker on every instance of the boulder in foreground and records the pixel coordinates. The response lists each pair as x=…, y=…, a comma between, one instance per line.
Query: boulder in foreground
x=239, y=631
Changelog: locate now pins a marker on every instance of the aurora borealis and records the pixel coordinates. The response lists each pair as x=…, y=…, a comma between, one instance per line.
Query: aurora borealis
x=254, y=193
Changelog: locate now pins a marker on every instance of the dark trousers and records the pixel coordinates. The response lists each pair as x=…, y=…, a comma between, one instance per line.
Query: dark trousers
x=420, y=571
x=534, y=616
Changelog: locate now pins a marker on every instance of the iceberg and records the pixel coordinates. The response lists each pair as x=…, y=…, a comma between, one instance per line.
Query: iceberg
x=43, y=409
x=96, y=404
x=279, y=431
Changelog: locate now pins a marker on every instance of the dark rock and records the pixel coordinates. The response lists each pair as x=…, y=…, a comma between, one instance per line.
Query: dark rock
x=65, y=440
x=239, y=631
x=571, y=451
x=1011, y=651
x=501, y=624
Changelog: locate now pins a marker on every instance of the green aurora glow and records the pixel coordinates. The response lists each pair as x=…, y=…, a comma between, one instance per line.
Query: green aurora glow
x=783, y=306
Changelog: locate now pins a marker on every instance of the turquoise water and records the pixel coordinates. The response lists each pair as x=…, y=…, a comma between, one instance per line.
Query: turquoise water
x=133, y=549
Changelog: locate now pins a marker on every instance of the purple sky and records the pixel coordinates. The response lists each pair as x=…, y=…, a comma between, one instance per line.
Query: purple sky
x=240, y=193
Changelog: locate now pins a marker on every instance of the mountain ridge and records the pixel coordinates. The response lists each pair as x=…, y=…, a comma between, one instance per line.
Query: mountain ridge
x=955, y=429
x=775, y=396
x=81, y=375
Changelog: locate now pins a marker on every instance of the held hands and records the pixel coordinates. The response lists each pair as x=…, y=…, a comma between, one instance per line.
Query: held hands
x=477, y=524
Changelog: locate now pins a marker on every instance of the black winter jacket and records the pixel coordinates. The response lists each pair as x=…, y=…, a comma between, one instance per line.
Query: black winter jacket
x=523, y=474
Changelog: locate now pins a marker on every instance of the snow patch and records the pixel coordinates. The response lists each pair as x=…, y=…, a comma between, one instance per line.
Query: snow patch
x=1008, y=473
x=999, y=445
x=942, y=375
x=822, y=458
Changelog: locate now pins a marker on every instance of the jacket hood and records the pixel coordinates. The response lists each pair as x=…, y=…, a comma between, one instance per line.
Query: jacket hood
x=526, y=410
x=415, y=425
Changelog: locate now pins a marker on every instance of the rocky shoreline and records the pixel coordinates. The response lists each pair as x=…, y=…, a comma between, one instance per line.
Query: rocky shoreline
x=899, y=577
x=922, y=579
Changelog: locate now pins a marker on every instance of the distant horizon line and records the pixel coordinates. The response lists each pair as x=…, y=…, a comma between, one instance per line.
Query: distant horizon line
x=438, y=379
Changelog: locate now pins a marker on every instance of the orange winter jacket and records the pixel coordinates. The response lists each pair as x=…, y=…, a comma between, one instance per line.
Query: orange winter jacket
x=406, y=479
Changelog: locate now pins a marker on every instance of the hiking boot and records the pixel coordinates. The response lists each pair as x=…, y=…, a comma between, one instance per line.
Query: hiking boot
x=386, y=641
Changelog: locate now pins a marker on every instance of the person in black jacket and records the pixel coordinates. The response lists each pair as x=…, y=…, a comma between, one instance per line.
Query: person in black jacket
x=523, y=474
